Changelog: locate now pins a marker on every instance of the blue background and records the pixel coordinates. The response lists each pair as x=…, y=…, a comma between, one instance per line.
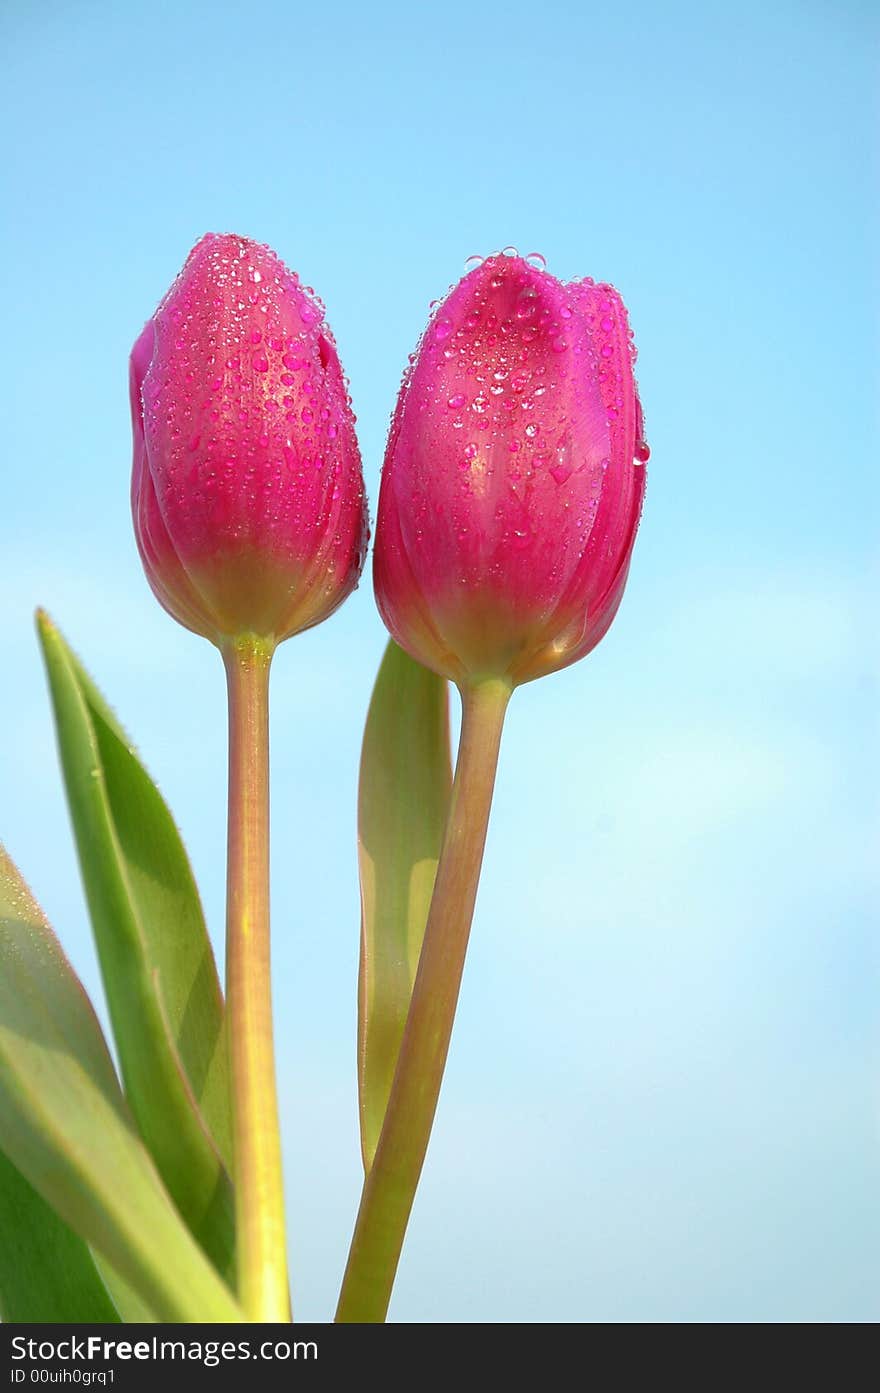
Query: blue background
x=662, y=1096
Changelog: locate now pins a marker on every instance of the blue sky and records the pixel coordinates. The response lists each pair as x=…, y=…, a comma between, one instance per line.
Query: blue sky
x=662, y=1096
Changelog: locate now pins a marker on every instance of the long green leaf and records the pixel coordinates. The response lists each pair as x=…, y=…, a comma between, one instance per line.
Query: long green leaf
x=46, y=1271
x=403, y=800
x=156, y=960
x=66, y=1127
x=130, y=1306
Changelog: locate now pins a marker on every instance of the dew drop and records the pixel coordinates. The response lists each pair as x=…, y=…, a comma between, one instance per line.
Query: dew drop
x=643, y=452
x=538, y=260
x=456, y=401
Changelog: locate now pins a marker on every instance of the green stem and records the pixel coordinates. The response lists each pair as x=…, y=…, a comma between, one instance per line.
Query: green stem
x=390, y=1186
x=259, y=1195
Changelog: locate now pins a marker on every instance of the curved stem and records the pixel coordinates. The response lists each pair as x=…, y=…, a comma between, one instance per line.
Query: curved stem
x=390, y=1186
x=259, y=1196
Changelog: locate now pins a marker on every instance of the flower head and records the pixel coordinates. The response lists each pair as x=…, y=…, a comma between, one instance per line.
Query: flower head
x=513, y=476
x=247, y=496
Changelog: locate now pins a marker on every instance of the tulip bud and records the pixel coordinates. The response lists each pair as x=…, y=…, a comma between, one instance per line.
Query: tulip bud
x=247, y=496
x=513, y=477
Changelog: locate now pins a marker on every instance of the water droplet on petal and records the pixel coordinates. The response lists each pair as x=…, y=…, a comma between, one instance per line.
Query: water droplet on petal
x=538, y=260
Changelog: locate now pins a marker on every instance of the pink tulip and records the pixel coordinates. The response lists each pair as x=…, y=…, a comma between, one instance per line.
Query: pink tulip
x=247, y=495
x=513, y=477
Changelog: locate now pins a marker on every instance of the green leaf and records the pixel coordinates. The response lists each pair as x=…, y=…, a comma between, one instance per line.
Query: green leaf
x=66, y=1127
x=130, y=1307
x=46, y=1272
x=403, y=800
x=156, y=960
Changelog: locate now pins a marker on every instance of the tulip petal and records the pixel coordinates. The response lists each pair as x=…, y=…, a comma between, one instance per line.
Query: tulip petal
x=508, y=493
x=403, y=800
x=247, y=495
x=156, y=959
x=66, y=1128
